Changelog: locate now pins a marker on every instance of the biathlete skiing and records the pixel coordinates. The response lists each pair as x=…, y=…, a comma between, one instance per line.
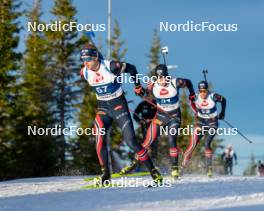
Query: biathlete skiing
x=143, y=115
x=112, y=105
x=205, y=107
x=166, y=93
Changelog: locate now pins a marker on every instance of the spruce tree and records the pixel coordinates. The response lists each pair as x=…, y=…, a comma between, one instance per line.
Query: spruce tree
x=251, y=168
x=63, y=50
x=9, y=66
x=154, y=54
x=117, y=53
x=36, y=155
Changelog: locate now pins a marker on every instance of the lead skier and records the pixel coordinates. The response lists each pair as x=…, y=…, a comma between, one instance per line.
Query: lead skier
x=112, y=105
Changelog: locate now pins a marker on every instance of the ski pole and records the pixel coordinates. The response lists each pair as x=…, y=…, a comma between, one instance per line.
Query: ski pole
x=164, y=51
x=230, y=125
x=205, y=72
x=156, y=106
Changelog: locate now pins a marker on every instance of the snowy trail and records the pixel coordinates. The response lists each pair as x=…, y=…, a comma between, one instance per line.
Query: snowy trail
x=190, y=193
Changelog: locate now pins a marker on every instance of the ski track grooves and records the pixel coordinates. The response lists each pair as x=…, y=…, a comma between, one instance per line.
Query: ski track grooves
x=192, y=192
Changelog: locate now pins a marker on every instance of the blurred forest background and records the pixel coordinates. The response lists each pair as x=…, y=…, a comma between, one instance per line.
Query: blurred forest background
x=41, y=87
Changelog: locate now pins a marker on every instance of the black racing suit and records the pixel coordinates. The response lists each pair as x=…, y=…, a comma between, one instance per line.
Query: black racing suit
x=228, y=156
x=117, y=109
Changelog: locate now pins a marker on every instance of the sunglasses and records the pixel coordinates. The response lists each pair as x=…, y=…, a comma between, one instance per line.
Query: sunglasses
x=87, y=59
x=203, y=91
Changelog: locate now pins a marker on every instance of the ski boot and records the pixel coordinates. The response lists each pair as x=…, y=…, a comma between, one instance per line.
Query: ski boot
x=104, y=179
x=209, y=171
x=156, y=176
x=175, y=173
x=129, y=168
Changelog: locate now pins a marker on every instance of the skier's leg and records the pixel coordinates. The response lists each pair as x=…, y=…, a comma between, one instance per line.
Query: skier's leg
x=124, y=121
x=174, y=150
x=231, y=168
x=226, y=167
x=154, y=145
x=102, y=122
x=152, y=134
x=208, y=153
x=193, y=142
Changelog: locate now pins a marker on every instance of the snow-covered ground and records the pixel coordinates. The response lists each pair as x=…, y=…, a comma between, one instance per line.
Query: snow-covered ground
x=191, y=192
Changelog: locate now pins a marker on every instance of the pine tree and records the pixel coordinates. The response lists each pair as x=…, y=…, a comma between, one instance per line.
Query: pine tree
x=84, y=147
x=9, y=64
x=36, y=155
x=117, y=53
x=63, y=47
x=154, y=55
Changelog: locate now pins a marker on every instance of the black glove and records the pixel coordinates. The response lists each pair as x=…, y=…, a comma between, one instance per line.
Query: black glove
x=142, y=122
x=221, y=115
x=139, y=90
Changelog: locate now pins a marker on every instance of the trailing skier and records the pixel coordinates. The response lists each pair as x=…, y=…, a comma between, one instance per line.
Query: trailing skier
x=228, y=156
x=166, y=93
x=112, y=105
x=204, y=106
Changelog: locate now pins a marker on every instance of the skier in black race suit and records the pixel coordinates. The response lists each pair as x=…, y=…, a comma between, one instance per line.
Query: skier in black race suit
x=112, y=105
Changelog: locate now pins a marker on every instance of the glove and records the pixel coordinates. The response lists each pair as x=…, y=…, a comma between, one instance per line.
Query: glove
x=142, y=121
x=192, y=97
x=221, y=115
x=139, y=91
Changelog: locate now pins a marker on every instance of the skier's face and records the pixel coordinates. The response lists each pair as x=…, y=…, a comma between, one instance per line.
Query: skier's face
x=203, y=93
x=91, y=63
x=162, y=80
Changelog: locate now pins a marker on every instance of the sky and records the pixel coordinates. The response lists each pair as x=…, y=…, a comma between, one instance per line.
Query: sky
x=234, y=59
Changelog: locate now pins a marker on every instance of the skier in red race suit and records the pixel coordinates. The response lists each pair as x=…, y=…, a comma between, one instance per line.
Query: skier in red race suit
x=204, y=106
x=112, y=105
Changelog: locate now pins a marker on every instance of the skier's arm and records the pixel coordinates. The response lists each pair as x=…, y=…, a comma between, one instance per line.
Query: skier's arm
x=222, y=156
x=193, y=106
x=122, y=67
x=222, y=100
x=235, y=157
x=137, y=112
x=183, y=82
